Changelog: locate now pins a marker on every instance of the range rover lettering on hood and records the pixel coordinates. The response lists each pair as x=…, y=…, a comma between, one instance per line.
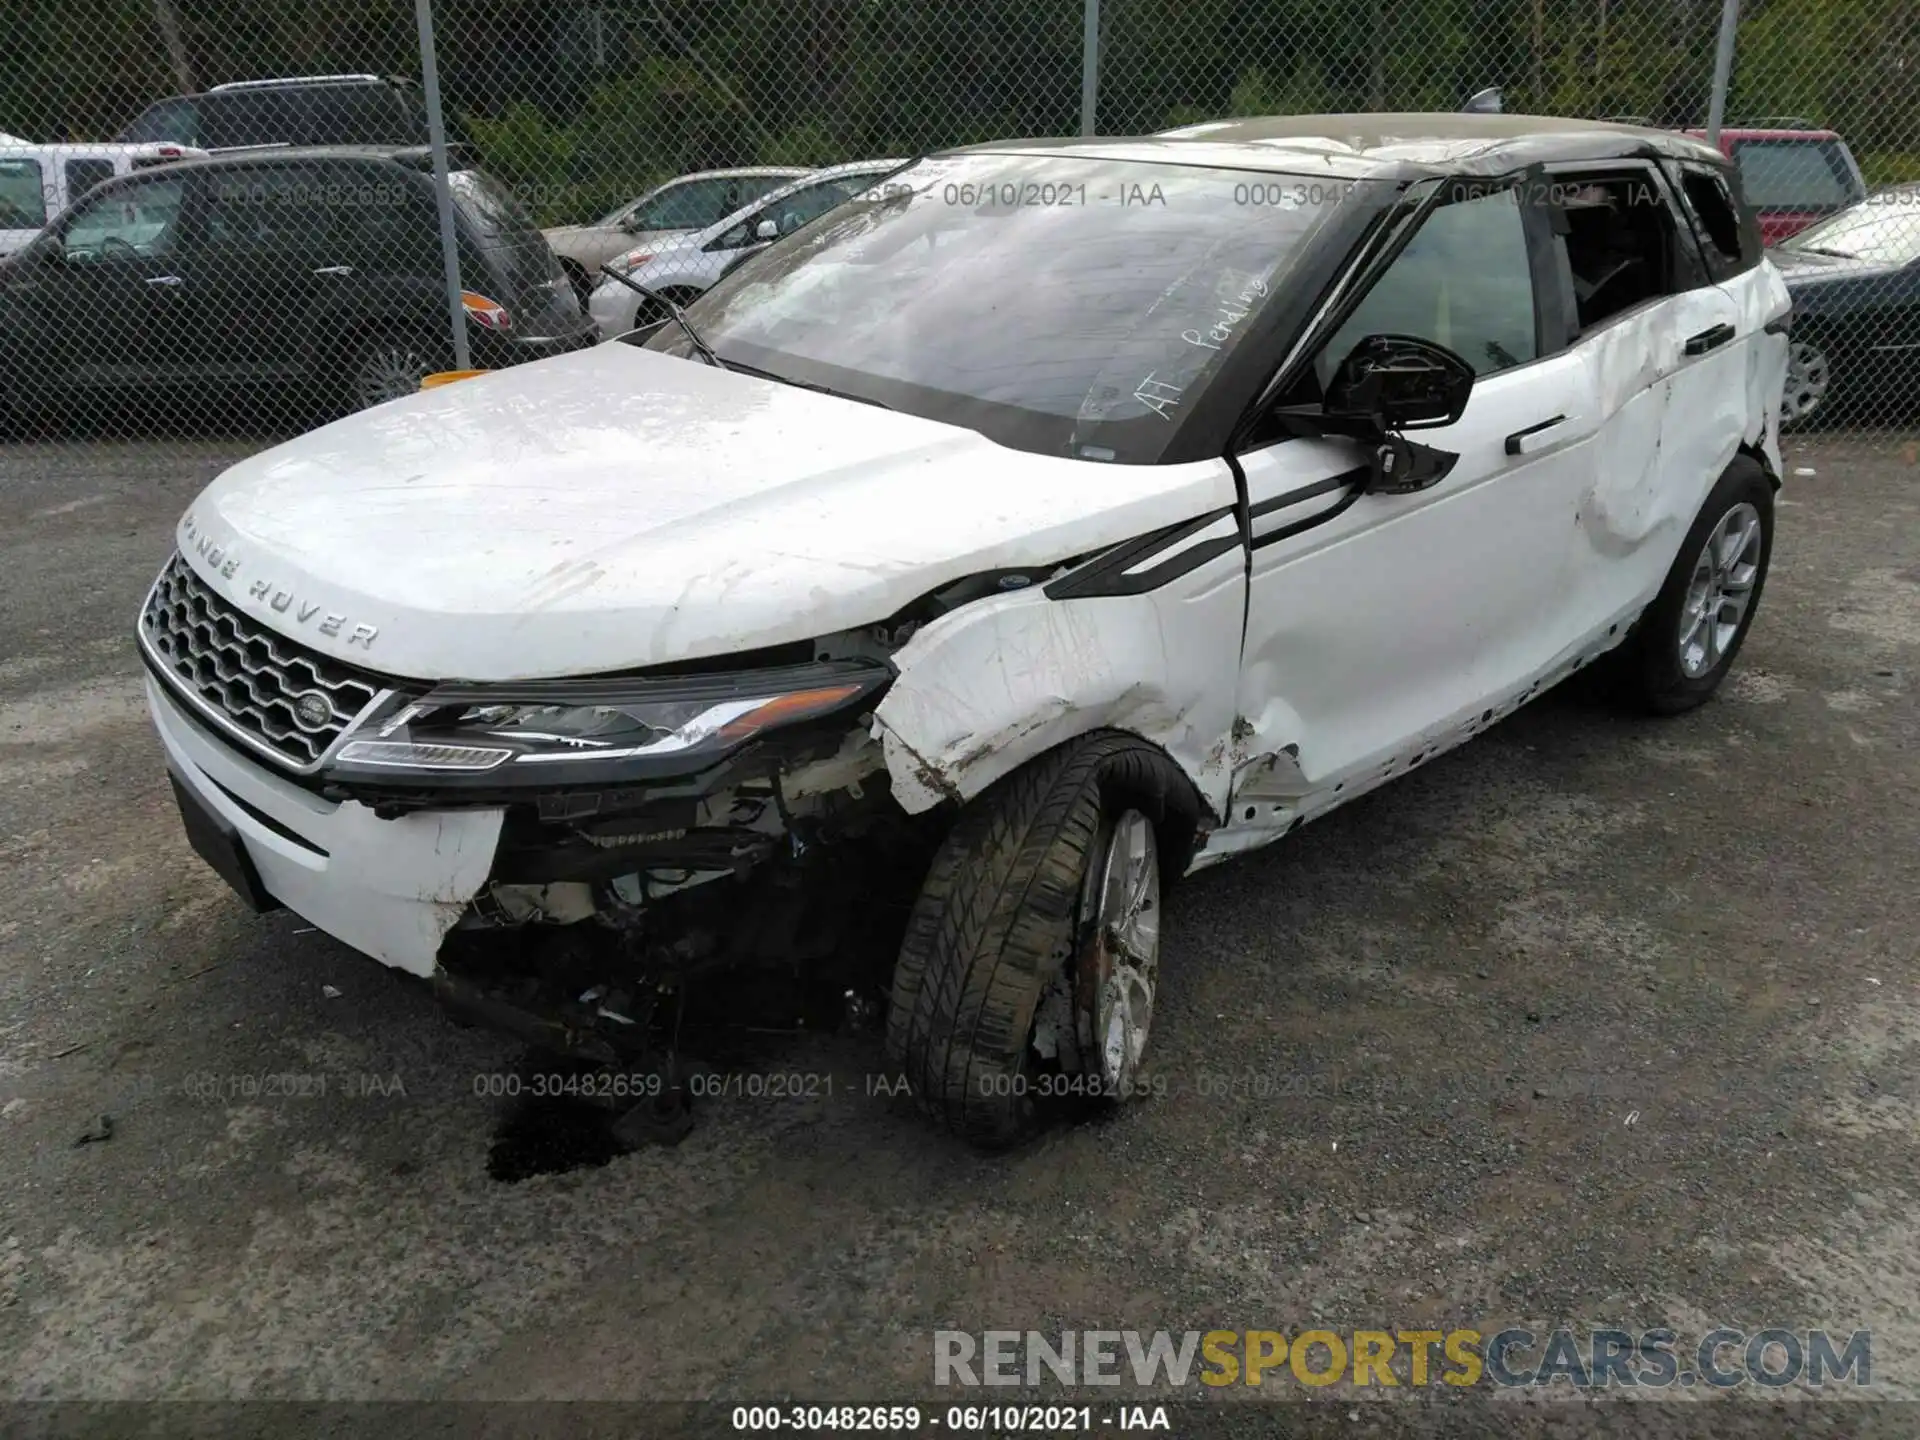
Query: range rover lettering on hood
x=221, y=560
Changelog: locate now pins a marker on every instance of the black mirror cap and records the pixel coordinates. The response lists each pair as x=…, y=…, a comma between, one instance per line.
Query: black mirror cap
x=1390, y=383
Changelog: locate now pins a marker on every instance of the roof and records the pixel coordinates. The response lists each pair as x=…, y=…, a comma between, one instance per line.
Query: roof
x=414, y=157
x=83, y=149
x=1805, y=134
x=1358, y=145
x=796, y=171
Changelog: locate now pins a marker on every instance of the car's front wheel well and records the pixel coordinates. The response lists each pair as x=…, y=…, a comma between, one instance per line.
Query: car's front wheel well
x=1758, y=455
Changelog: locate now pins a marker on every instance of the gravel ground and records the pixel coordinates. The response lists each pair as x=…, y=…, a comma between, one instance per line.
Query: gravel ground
x=1602, y=1021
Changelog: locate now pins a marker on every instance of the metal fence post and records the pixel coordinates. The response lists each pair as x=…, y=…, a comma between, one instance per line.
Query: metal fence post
x=443, y=194
x=1090, y=67
x=1722, y=69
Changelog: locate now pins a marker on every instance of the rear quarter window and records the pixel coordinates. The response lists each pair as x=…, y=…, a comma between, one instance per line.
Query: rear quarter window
x=488, y=208
x=1722, y=222
x=177, y=121
x=1795, y=174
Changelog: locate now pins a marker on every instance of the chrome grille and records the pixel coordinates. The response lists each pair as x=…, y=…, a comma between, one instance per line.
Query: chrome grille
x=267, y=688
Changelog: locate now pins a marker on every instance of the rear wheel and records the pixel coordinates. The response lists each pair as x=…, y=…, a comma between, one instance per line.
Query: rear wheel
x=1028, y=977
x=1686, y=641
x=387, y=365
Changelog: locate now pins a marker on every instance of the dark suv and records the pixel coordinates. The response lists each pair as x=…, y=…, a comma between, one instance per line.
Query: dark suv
x=303, y=110
x=318, y=272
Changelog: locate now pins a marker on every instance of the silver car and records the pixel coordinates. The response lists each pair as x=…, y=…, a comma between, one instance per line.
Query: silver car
x=673, y=210
x=681, y=267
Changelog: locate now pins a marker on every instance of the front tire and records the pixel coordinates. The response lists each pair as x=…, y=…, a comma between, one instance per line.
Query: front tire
x=1027, y=977
x=1686, y=641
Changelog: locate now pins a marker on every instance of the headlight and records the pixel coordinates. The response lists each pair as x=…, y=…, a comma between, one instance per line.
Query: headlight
x=563, y=732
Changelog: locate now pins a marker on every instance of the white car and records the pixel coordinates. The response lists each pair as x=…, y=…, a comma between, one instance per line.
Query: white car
x=1057, y=519
x=666, y=213
x=682, y=267
x=38, y=182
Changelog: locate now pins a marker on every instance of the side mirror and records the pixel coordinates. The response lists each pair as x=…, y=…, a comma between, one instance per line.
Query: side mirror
x=1390, y=383
x=766, y=230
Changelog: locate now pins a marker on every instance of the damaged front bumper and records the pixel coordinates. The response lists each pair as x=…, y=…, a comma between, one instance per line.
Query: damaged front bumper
x=391, y=888
x=574, y=916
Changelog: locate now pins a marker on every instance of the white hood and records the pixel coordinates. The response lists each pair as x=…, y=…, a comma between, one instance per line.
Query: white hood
x=617, y=508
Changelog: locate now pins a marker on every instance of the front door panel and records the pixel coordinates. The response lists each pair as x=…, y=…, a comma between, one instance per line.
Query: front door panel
x=1372, y=619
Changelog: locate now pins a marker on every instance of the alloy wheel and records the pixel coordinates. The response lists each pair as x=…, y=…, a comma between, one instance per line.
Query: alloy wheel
x=1119, y=971
x=388, y=370
x=1809, y=376
x=1720, y=590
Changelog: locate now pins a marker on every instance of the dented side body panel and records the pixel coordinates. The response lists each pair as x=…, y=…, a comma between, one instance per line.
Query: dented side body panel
x=988, y=687
x=1672, y=423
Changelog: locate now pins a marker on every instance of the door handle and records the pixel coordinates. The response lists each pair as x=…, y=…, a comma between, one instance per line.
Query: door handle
x=1533, y=438
x=1709, y=339
x=169, y=281
x=334, y=270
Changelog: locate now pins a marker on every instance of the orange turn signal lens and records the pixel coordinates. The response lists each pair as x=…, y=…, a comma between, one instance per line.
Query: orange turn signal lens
x=783, y=709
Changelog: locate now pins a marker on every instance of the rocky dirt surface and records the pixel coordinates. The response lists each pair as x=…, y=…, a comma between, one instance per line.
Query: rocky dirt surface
x=1597, y=1020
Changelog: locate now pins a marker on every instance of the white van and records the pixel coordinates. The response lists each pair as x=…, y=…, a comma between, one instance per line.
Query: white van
x=37, y=182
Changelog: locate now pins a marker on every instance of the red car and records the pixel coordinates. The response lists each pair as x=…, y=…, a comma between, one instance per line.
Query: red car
x=1792, y=172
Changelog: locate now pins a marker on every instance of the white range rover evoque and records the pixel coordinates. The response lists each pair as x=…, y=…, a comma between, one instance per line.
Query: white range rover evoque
x=1051, y=521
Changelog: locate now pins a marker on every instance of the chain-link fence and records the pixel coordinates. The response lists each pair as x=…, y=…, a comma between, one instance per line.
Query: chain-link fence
x=298, y=276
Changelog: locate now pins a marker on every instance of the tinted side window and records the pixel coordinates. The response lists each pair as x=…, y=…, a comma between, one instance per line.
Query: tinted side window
x=692, y=206
x=390, y=223
x=174, y=120
x=228, y=121
x=1794, y=174
x=1617, y=245
x=83, y=175
x=23, y=198
x=128, y=222
x=1463, y=282
x=813, y=202
x=792, y=211
x=350, y=115
x=277, y=208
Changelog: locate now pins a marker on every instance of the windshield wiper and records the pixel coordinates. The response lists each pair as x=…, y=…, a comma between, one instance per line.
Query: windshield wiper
x=678, y=315
x=1822, y=250
x=810, y=385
